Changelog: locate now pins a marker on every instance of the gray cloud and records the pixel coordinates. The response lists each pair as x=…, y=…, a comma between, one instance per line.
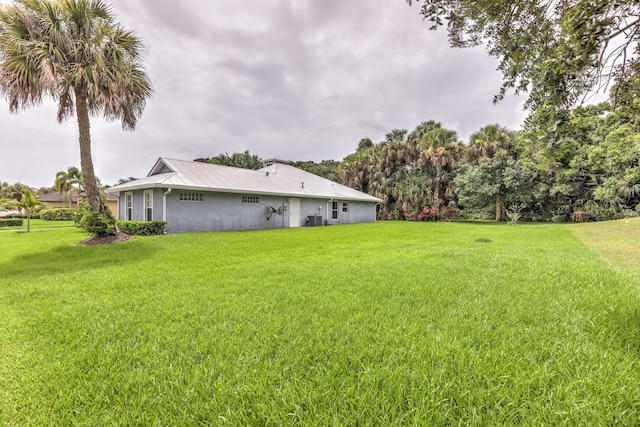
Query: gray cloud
x=304, y=80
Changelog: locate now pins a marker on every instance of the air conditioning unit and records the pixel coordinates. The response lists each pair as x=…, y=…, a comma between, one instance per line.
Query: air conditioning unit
x=313, y=221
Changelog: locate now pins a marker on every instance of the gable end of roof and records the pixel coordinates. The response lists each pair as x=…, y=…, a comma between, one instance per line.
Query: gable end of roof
x=160, y=167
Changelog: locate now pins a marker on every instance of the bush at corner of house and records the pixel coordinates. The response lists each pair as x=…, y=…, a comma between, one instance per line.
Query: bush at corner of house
x=11, y=222
x=99, y=223
x=142, y=228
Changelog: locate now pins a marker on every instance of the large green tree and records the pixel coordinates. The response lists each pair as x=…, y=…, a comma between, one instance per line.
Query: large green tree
x=9, y=194
x=244, y=160
x=489, y=141
x=492, y=181
x=325, y=168
x=556, y=51
x=617, y=158
x=11, y=191
x=76, y=53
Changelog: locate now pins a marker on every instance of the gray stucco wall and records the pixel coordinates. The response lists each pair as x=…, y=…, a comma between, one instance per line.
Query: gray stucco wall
x=223, y=212
x=227, y=212
x=356, y=211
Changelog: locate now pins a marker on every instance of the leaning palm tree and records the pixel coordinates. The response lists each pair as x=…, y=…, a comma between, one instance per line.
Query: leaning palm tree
x=74, y=52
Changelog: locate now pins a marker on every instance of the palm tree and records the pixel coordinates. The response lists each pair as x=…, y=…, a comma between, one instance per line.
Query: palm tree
x=442, y=152
x=357, y=169
x=65, y=182
x=396, y=135
x=74, y=52
x=422, y=130
x=489, y=140
x=28, y=203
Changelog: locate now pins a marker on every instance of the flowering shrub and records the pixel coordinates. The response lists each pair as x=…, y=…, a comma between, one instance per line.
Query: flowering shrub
x=425, y=214
x=389, y=214
x=432, y=214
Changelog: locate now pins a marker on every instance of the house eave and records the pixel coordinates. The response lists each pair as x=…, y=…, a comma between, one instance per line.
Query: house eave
x=308, y=195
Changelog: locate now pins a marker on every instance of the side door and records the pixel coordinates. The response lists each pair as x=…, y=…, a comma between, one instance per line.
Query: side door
x=294, y=212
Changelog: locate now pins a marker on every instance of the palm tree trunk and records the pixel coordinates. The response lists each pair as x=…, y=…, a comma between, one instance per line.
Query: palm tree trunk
x=86, y=162
x=436, y=191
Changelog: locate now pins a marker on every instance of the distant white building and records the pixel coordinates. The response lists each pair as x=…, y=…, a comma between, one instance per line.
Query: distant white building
x=195, y=196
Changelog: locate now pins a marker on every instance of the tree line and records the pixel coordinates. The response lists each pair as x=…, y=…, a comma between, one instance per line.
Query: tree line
x=593, y=174
x=428, y=172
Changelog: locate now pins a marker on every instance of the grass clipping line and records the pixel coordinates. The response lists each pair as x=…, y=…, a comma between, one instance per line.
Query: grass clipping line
x=615, y=241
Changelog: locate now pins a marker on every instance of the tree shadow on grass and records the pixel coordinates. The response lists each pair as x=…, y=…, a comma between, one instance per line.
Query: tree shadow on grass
x=64, y=260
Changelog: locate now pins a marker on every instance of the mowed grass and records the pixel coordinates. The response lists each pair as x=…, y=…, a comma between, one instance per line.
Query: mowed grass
x=391, y=323
x=617, y=241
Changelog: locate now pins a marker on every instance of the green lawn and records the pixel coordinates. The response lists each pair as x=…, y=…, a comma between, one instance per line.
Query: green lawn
x=391, y=323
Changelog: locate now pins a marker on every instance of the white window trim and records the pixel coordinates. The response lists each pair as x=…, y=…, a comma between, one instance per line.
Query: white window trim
x=146, y=208
x=128, y=206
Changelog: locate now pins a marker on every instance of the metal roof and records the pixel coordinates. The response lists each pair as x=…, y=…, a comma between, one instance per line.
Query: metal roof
x=277, y=179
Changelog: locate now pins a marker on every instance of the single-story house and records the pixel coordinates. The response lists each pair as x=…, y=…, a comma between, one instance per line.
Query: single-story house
x=195, y=196
x=56, y=200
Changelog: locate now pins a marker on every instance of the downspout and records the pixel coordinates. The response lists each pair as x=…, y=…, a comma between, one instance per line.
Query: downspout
x=164, y=207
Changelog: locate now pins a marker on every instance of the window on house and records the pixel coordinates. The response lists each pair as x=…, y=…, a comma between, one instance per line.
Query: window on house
x=345, y=207
x=148, y=205
x=250, y=199
x=191, y=197
x=334, y=210
x=128, y=206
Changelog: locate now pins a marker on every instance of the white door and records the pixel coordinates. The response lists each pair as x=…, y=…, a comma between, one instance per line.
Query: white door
x=294, y=212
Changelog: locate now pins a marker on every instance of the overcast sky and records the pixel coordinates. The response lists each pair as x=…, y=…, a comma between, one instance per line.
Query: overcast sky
x=295, y=79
